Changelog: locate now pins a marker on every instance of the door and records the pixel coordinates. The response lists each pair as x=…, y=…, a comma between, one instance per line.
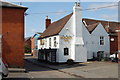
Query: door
x=100, y=55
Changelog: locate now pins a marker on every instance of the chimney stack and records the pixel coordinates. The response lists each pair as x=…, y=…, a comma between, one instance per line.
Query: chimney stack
x=47, y=22
x=107, y=27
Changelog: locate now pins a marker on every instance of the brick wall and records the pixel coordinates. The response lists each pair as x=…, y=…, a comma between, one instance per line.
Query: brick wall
x=119, y=45
x=13, y=36
x=28, y=44
x=113, y=44
x=32, y=46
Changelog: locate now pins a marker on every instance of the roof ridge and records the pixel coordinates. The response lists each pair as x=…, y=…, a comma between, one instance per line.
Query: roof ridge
x=101, y=20
x=10, y=4
x=60, y=19
x=56, y=26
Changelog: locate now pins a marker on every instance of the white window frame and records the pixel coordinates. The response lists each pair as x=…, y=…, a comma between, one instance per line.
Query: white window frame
x=102, y=38
x=50, y=42
x=55, y=42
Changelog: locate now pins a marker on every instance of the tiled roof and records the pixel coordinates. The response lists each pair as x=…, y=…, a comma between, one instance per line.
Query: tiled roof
x=10, y=5
x=112, y=25
x=91, y=24
x=27, y=38
x=92, y=27
x=56, y=27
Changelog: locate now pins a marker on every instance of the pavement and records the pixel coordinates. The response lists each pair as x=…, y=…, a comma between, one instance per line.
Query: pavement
x=92, y=69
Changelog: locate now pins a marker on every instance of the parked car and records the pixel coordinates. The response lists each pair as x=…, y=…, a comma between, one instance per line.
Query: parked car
x=3, y=68
x=114, y=57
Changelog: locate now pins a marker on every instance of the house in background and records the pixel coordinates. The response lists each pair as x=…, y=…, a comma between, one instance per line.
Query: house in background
x=34, y=44
x=76, y=38
x=27, y=45
x=13, y=34
x=110, y=27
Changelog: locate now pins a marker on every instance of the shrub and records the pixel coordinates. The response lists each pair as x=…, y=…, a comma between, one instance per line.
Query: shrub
x=70, y=61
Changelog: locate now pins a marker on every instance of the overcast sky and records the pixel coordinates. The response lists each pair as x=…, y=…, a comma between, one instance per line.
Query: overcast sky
x=37, y=11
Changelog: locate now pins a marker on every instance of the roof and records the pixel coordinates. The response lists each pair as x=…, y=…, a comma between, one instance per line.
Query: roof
x=56, y=27
x=112, y=25
x=91, y=24
x=11, y=5
x=92, y=27
x=27, y=38
x=37, y=33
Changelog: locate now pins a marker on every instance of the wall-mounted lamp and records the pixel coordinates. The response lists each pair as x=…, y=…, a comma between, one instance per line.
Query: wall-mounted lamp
x=112, y=39
x=66, y=28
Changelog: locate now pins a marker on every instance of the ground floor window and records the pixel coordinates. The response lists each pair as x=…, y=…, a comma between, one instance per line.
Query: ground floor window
x=47, y=55
x=66, y=51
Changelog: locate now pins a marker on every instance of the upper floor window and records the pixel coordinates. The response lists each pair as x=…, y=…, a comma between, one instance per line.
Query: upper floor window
x=41, y=42
x=50, y=42
x=55, y=43
x=101, y=40
x=45, y=42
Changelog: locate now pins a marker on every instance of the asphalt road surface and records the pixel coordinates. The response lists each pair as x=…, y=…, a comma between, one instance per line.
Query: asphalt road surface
x=35, y=71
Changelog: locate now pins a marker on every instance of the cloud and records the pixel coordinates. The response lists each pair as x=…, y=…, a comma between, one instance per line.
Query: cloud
x=103, y=5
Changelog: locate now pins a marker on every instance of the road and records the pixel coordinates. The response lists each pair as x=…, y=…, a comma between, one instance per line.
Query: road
x=35, y=71
x=92, y=69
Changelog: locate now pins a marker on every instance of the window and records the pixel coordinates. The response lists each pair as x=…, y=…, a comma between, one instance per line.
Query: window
x=66, y=51
x=50, y=42
x=45, y=42
x=55, y=43
x=100, y=55
x=101, y=40
x=41, y=42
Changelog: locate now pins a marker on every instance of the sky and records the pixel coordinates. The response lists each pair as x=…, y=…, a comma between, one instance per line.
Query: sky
x=37, y=12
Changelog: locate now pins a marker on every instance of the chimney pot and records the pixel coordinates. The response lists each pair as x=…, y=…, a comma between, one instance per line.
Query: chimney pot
x=79, y=4
x=75, y=4
x=46, y=17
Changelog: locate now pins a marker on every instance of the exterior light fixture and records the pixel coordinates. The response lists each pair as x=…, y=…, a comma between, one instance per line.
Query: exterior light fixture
x=117, y=30
x=112, y=39
x=66, y=28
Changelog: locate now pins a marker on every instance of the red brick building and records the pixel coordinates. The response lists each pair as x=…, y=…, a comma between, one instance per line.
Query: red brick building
x=27, y=45
x=118, y=45
x=13, y=34
x=34, y=44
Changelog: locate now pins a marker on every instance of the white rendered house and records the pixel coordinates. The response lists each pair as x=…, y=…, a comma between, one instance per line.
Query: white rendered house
x=71, y=38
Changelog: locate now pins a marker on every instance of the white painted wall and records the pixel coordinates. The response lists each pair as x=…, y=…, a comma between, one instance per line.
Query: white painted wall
x=46, y=43
x=100, y=31
x=77, y=50
x=67, y=30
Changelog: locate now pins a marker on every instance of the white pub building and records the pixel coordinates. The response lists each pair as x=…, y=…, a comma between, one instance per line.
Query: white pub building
x=72, y=38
